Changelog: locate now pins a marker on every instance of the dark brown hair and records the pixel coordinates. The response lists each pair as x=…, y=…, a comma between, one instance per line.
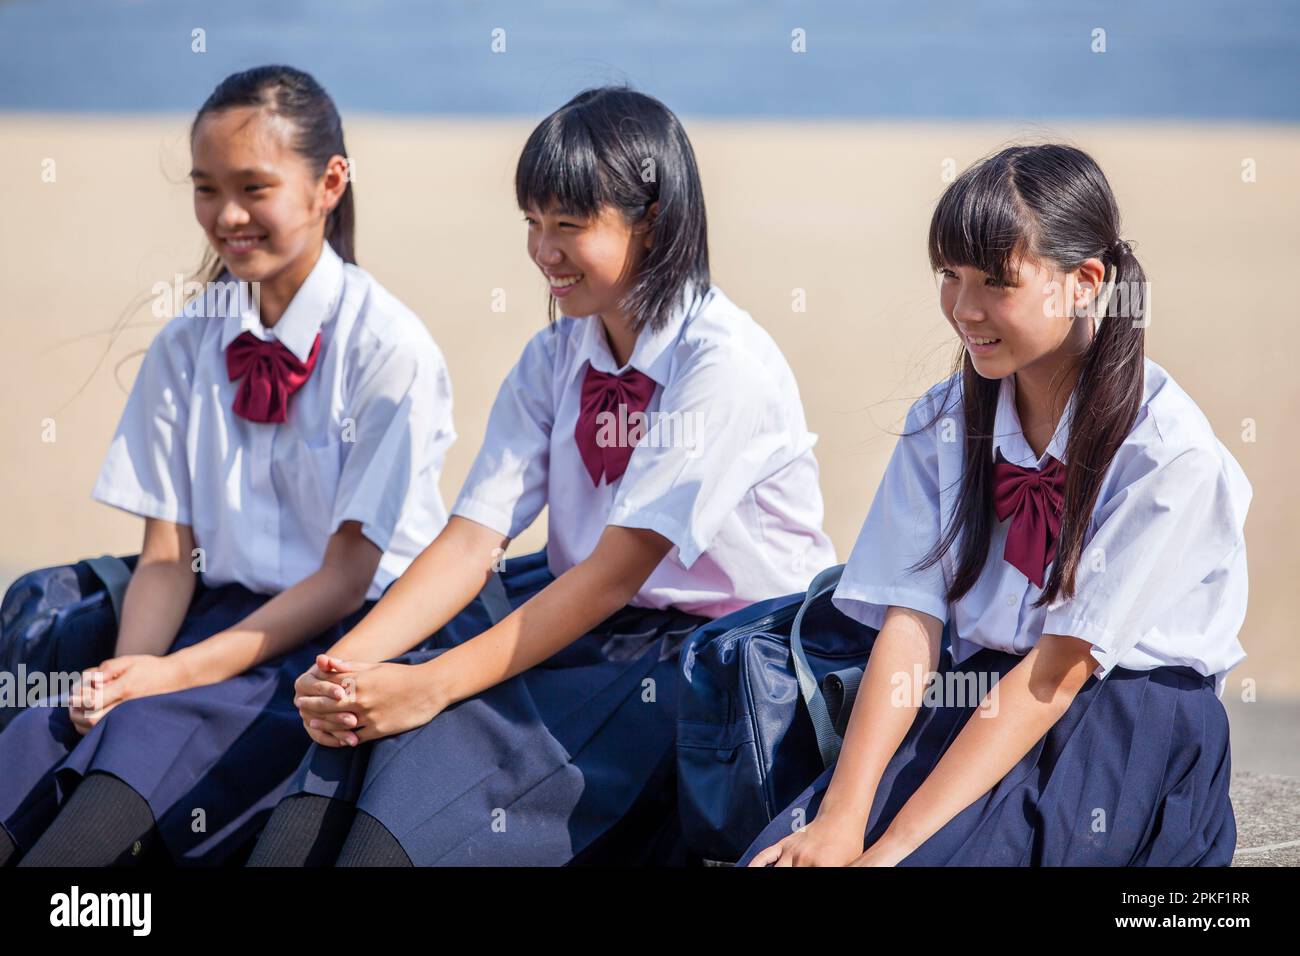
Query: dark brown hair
x=1051, y=203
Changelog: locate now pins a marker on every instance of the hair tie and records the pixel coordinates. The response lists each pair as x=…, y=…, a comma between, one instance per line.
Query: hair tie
x=1119, y=249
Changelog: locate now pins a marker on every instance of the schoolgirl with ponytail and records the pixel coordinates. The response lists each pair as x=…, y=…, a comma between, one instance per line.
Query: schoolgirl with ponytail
x=1067, y=510
x=283, y=447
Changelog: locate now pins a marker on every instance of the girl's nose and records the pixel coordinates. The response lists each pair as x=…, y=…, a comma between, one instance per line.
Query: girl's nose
x=232, y=216
x=546, y=251
x=965, y=311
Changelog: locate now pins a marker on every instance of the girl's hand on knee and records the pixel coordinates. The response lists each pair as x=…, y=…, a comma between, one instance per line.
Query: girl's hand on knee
x=887, y=851
x=340, y=726
x=89, y=689
x=321, y=695
x=83, y=719
x=827, y=841
x=386, y=699
x=92, y=700
x=323, y=737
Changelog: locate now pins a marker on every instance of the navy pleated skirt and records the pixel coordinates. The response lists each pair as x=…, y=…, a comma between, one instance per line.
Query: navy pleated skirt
x=211, y=761
x=1135, y=773
x=534, y=770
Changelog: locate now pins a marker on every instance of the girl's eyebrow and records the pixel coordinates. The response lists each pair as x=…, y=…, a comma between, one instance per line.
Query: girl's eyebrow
x=240, y=173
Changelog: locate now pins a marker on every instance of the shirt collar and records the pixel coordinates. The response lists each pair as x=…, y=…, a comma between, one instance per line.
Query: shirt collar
x=314, y=302
x=652, y=354
x=1009, y=437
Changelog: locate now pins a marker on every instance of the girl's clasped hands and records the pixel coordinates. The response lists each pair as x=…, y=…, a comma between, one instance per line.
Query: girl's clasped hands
x=345, y=703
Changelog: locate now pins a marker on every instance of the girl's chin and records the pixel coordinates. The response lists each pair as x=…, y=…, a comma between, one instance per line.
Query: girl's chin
x=254, y=268
x=573, y=307
x=241, y=271
x=988, y=366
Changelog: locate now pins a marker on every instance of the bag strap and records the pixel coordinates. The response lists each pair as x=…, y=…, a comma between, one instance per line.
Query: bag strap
x=495, y=600
x=841, y=690
x=827, y=740
x=115, y=574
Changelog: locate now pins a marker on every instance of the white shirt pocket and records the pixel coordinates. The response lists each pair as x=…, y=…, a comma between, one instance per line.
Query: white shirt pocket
x=308, y=479
x=320, y=479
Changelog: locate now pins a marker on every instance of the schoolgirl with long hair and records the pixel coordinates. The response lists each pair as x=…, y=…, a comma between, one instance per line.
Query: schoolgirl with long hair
x=1063, y=505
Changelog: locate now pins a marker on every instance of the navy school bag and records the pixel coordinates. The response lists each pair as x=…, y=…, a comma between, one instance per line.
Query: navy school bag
x=60, y=620
x=766, y=693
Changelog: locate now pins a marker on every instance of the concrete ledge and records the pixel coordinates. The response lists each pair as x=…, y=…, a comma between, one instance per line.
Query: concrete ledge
x=1267, y=808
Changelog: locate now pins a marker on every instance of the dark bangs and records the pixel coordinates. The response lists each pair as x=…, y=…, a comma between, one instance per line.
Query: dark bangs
x=981, y=221
x=560, y=168
x=615, y=147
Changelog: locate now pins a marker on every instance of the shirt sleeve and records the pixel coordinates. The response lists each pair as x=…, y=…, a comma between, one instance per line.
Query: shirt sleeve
x=902, y=526
x=146, y=470
x=399, y=419
x=717, y=434
x=1161, y=541
x=506, y=486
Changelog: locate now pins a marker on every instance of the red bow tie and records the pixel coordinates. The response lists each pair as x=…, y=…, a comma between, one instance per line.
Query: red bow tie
x=271, y=374
x=1032, y=499
x=603, y=392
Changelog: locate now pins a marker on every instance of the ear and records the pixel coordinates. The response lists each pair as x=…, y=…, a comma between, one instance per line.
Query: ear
x=1087, y=285
x=338, y=173
x=649, y=223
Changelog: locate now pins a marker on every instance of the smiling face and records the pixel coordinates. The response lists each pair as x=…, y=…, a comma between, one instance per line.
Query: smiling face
x=258, y=199
x=589, y=263
x=1029, y=321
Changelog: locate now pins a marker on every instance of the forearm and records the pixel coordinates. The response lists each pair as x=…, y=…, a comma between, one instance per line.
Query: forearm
x=437, y=586
x=281, y=624
x=566, y=609
x=892, y=689
x=154, y=606
x=1012, y=717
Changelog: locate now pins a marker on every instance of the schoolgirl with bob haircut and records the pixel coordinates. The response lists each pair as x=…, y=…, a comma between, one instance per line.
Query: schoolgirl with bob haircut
x=530, y=742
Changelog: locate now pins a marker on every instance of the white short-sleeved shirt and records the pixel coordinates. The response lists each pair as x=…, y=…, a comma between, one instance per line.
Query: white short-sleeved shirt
x=364, y=439
x=725, y=469
x=1162, y=576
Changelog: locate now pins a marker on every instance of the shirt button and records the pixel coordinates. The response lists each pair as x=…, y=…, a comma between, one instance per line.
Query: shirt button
x=1011, y=600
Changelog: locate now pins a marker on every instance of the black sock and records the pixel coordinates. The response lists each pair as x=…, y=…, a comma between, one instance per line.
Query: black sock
x=104, y=823
x=7, y=848
x=304, y=830
x=370, y=844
